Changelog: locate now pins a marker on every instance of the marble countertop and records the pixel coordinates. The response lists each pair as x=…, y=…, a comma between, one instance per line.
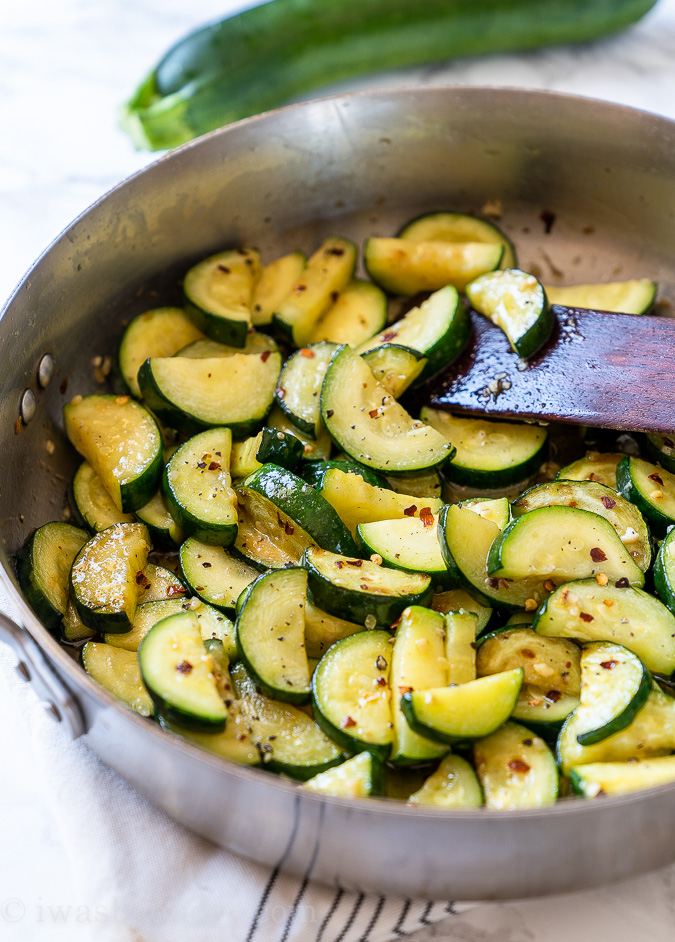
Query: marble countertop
x=65, y=67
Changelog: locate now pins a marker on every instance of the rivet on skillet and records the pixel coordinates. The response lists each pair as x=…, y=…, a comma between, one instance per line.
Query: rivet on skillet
x=53, y=711
x=45, y=371
x=28, y=405
x=23, y=671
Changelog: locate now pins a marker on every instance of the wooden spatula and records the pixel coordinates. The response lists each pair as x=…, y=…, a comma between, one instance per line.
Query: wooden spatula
x=610, y=370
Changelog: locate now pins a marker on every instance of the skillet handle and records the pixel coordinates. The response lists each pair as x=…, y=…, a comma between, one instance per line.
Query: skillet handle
x=33, y=667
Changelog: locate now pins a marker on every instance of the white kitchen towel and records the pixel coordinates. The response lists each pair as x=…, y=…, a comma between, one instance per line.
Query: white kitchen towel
x=140, y=877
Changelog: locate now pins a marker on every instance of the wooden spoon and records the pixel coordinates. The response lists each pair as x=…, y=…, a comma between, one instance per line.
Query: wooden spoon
x=611, y=370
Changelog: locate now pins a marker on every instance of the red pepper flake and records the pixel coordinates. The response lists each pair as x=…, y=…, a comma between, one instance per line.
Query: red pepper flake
x=289, y=529
x=17, y=426
x=214, y=466
x=493, y=583
x=608, y=665
x=554, y=695
x=656, y=478
x=572, y=503
x=225, y=270
x=301, y=287
x=347, y=722
x=517, y=765
x=622, y=583
x=265, y=355
x=380, y=682
x=355, y=562
x=373, y=413
x=280, y=392
x=364, y=586
x=597, y=555
x=142, y=579
x=330, y=413
x=396, y=623
x=504, y=583
x=335, y=250
x=410, y=511
x=308, y=354
x=172, y=590
x=389, y=335
x=339, y=564
x=334, y=295
x=608, y=502
x=403, y=690
x=526, y=652
x=184, y=667
x=584, y=616
x=426, y=517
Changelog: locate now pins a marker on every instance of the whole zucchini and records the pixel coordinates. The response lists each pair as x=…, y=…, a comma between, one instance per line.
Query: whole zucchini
x=258, y=59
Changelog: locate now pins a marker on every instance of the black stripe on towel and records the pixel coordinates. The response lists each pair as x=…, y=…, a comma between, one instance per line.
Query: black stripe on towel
x=305, y=880
x=397, y=930
x=352, y=916
x=373, y=920
x=326, y=919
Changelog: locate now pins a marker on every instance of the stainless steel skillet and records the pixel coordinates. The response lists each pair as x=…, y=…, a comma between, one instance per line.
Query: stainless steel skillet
x=599, y=178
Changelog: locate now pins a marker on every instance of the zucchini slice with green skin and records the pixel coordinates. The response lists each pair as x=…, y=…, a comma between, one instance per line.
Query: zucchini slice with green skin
x=458, y=227
x=417, y=663
x=218, y=294
x=618, y=297
x=465, y=711
x=280, y=448
x=267, y=538
x=313, y=472
x=271, y=635
x=360, y=590
x=233, y=743
x=303, y=505
x=215, y=575
x=256, y=344
x=438, y=329
x=394, y=366
x=561, y=544
x=351, y=694
x=615, y=684
x=516, y=302
x=620, y=778
x=243, y=459
x=197, y=488
x=121, y=441
x=662, y=449
x=371, y=426
x=460, y=646
x=418, y=484
x=146, y=615
x=162, y=527
x=43, y=569
x=322, y=630
x=459, y=600
x=107, y=576
x=516, y=769
x=191, y=394
x=664, y=572
x=317, y=448
x=621, y=614
x=157, y=333
x=328, y=270
x=596, y=498
x=407, y=267
x=595, y=466
x=73, y=629
x=652, y=733
x=362, y=776
x=489, y=454
x=90, y=502
x=287, y=738
x=359, y=311
x=356, y=501
x=651, y=489
x=274, y=284
x=453, y=785
x=299, y=390
x=117, y=671
x=180, y=674
x=159, y=583
x=410, y=543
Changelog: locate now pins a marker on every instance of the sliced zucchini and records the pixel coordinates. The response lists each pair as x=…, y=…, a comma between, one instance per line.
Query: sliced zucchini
x=619, y=297
x=516, y=769
x=160, y=583
x=316, y=448
x=280, y=448
x=465, y=711
x=163, y=529
x=243, y=459
x=362, y=776
x=417, y=484
x=410, y=543
x=256, y=343
x=359, y=311
x=560, y=544
x=356, y=501
x=313, y=471
x=370, y=425
x=180, y=675
x=73, y=629
x=107, y=576
x=90, y=502
x=489, y=454
x=596, y=498
x=197, y=488
x=438, y=329
x=274, y=284
x=454, y=784
x=157, y=333
x=322, y=630
x=620, y=778
x=458, y=227
x=395, y=367
x=587, y=611
x=193, y=394
x=218, y=294
x=496, y=509
x=271, y=635
x=360, y=590
x=418, y=663
x=145, y=616
x=286, y=737
x=516, y=302
x=662, y=449
x=615, y=684
x=122, y=443
x=460, y=646
x=267, y=538
x=43, y=569
x=234, y=743
x=664, y=571
x=117, y=671
x=328, y=270
x=406, y=266
x=651, y=489
x=593, y=467
x=351, y=693
x=459, y=600
x=215, y=575
x=299, y=390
